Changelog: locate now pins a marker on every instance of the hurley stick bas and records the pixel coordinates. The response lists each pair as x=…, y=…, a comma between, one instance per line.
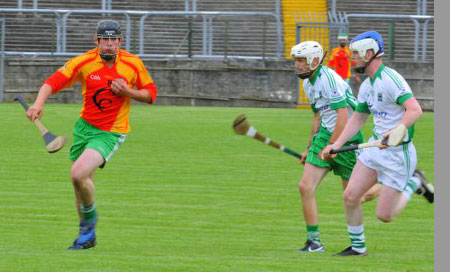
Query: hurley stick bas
x=53, y=143
x=242, y=127
x=393, y=139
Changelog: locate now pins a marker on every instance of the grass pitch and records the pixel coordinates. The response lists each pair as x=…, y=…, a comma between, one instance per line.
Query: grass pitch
x=184, y=193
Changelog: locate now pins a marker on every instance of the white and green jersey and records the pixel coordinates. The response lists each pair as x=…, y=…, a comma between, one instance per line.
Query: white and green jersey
x=327, y=91
x=383, y=96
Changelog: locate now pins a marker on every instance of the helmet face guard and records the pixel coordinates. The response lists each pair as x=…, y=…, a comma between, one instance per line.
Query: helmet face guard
x=108, y=29
x=309, y=50
x=370, y=40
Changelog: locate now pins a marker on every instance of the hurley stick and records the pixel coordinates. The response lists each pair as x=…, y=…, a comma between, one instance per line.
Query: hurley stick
x=53, y=143
x=242, y=127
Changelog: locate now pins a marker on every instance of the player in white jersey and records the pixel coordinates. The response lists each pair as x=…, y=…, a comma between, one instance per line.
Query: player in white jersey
x=388, y=97
x=332, y=102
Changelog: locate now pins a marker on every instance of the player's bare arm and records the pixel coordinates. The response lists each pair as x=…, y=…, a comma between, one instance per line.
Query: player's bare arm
x=354, y=124
x=412, y=113
x=314, y=128
x=36, y=111
x=120, y=87
x=340, y=125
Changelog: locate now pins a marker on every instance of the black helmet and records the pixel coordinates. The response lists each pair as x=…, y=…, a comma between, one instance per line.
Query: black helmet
x=108, y=28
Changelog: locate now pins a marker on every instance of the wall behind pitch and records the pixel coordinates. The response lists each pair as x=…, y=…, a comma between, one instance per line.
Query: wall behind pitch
x=231, y=82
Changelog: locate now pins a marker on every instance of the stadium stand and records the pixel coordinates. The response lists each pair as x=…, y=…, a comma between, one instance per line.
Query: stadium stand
x=404, y=29
x=292, y=7
x=246, y=36
x=163, y=34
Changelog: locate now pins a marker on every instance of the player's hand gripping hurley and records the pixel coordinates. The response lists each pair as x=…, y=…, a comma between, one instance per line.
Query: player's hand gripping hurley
x=394, y=138
x=242, y=127
x=53, y=143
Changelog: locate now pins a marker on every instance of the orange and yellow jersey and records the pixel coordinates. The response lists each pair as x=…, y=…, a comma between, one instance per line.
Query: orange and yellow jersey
x=341, y=61
x=101, y=107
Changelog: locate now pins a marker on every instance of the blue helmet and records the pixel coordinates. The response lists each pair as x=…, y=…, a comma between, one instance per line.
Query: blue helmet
x=366, y=41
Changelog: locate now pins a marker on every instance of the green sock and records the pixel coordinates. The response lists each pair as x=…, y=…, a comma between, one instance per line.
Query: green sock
x=88, y=213
x=313, y=233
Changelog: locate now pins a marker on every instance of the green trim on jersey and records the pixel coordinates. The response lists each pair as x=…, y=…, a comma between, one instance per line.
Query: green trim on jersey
x=377, y=74
x=394, y=78
x=402, y=99
x=330, y=78
x=315, y=76
x=341, y=104
x=410, y=133
x=351, y=100
x=363, y=108
x=313, y=107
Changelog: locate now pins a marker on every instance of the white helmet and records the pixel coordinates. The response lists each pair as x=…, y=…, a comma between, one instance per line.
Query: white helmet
x=370, y=40
x=342, y=36
x=309, y=50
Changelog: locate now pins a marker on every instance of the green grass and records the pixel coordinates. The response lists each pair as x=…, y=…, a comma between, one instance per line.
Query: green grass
x=184, y=193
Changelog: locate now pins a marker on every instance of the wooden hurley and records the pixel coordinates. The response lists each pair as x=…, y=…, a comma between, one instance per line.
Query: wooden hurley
x=242, y=127
x=53, y=143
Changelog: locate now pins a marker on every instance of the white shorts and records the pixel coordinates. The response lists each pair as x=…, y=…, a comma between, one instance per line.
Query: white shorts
x=394, y=165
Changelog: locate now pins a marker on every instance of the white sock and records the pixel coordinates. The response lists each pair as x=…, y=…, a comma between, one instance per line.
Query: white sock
x=411, y=187
x=357, y=238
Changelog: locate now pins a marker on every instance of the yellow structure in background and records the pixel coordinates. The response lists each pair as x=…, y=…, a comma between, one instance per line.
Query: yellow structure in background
x=294, y=11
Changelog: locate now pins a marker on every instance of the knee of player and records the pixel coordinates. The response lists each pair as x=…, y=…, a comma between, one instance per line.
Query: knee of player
x=306, y=187
x=350, y=198
x=77, y=175
x=367, y=197
x=385, y=217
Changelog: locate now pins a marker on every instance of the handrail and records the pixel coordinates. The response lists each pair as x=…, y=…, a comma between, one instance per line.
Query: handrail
x=424, y=38
x=96, y=11
x=414, y=18
x=2, y=58
x=57, y=13
x=389, y=16
x=63, y=14
x=206, y=15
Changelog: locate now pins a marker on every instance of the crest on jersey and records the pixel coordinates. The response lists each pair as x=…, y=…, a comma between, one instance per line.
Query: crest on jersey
x=403, y=91
x=334, y=93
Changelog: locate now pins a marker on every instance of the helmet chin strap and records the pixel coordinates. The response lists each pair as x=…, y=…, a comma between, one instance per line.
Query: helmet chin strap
x=306, y=75
x=107, y=56
x=362, y=69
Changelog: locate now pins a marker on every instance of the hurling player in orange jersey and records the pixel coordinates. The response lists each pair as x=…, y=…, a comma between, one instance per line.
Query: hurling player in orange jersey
x=341, y=59
x=110, y=78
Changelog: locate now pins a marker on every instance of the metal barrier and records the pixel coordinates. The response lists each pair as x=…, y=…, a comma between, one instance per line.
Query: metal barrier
x=421, y=7
x=414, y=18
x=208, y=24
x=106, y=4
x=2, y=59
x=417, y=20
x=208, y=30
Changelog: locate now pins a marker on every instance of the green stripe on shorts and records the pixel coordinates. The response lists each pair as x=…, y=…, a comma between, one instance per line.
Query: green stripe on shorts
x=87, y=136
x=342, y=165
